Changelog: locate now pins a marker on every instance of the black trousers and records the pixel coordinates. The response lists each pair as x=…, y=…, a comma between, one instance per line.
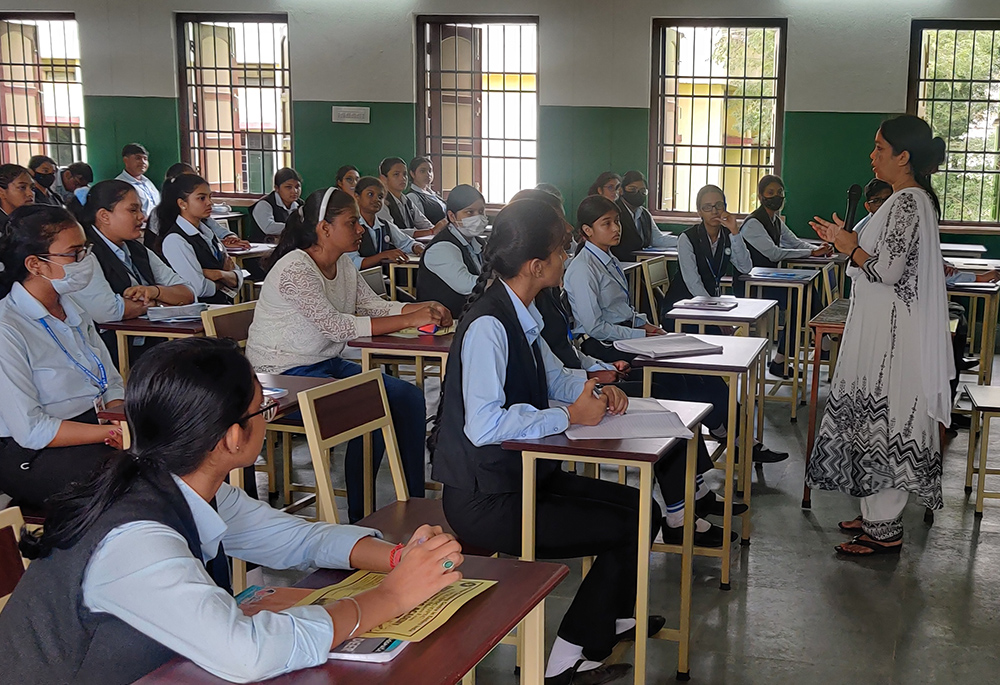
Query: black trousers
x=959, y=340
x=31, y=477
x=575, y=517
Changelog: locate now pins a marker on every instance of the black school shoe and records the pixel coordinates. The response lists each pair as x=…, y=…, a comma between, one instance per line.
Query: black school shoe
x=779, y=369
x=710, y=505
x=654, y=626
x=762, y=455
x=710, y=538
x=605, y=673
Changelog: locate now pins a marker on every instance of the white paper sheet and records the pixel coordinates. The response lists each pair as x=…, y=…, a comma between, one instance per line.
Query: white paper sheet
x=645, y=418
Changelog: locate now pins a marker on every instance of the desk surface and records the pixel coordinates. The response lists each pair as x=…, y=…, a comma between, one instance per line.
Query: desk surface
x=747, y=310
x=739, y=353
x=140, y=326
x=975, y=288
x=974, y=264
x=443, y=657
x=227, y=216
x=984, y=397
x=656, y=252
x=255, y=250
x=836, y=257
x=962, y=249
x=629, y=266
x=761, y=274
x=421, y=343
x=634, y=449
x=835, y=314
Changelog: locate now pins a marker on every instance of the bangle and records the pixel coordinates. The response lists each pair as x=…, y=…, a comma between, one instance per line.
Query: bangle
x=157, y=292
x=358, y=623
x=396, y=555
x=851, y=257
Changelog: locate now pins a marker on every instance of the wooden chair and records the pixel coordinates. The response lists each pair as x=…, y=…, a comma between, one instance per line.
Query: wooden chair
x=12, y=564
x=232, y=322
x=656, y=277
x=373, y=277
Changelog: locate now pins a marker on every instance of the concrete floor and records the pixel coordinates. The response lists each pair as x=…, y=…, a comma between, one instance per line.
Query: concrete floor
x=796, y=612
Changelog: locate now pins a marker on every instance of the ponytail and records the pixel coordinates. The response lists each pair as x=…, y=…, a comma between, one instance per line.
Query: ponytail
x=300, y=227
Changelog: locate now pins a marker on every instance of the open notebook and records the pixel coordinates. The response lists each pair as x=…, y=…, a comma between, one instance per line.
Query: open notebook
x=645, y=418
x=667, y=346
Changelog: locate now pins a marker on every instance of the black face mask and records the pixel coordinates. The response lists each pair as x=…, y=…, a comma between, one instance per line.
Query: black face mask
x=45, y=180
x=636, y=198
x=774, y=203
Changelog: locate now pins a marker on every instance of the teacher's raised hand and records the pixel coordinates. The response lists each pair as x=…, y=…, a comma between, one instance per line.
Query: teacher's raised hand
x=833, y=232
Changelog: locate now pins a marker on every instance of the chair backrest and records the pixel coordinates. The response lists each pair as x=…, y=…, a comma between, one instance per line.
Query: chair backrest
x=656, y=276
x=12, y=564
x=340, y=411
x=373, y=277
x=831, y=284
x=231, y=322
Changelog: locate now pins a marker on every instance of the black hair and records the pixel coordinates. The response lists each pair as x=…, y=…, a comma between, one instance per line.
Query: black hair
x=178, y=169
x=104, y=195
x=134, y=149
x=386, y=165
x=9, y=172
x=366, y=182
x=601, y=180
x=462, y=196
x=592, y=208
x=908, y=133
x=177, y=188
x=179, y=404
x=285, y=174
x=342, y=172
x=705, y=190
x=874, y=187
x=540, y=196
x=417, y=161
x=300, y=227
x=768, y=179
x=38, y=160
x=632, y=177
x=551, y=189
x=30, y=231
x=83, y=171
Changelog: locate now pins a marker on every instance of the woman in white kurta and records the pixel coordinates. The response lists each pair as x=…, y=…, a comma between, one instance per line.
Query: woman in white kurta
x=880, y=439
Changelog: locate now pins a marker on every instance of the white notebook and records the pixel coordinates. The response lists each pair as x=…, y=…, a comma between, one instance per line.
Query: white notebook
x=645, y=418
x=667, y=346
x=185, y=312
x=716, y=304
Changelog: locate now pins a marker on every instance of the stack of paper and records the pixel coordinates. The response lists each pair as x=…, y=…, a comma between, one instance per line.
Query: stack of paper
x=645, y=418
x=668, y=346
x=718, y=304
x=184, y=312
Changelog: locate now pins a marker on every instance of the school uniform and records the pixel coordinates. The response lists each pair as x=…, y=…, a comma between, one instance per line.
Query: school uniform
x=496, y=388
x=404, y=212
x=149, y=195
x=449, y=269
x=704, y=263
x=53, y=371
x=59, y=188
x=268, y=217
x=430, y=203
x=221, y=231
x=639, y=231
x=381, y=237
x=149, y=581
x=188, y=249
x=46, y=197
x=4, y=218
x=771, y=241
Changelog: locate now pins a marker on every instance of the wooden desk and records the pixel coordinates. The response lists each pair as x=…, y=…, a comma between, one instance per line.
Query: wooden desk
x=446, y=655
x=962, y=250
x=985, y=408
x=746, y=316
x=229, y=218
x=796, y=282
x=989, y=293
x=837, y=259
x=633, y=272
x=395, y=271
x=144, y=328
x=643, y=454
x=830, y=321
x=974, y=264
x=650, y=252
x=240, y=255
x=418, y=349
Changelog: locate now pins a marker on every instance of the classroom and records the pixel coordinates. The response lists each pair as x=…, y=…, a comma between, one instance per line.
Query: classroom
x=440, y=341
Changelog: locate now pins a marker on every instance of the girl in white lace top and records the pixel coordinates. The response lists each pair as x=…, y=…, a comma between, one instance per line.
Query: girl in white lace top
x=314, y=302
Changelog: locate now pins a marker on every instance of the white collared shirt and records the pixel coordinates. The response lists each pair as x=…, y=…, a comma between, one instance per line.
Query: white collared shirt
x=149, y=196
x=599, y=296
x=182, y=258
x=445, y=260
x=405, y=204
x=392, y=237
x=263, y=214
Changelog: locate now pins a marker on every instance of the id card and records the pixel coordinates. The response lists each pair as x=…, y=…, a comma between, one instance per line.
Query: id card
x=99, y=406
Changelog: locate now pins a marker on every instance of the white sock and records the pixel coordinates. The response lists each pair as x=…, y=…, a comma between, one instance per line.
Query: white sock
x=675, y=519
x=563, y=656
x=703, y=489
x=623, y=624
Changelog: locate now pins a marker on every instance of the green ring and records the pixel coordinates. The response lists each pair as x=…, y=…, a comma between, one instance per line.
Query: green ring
x=448, y=564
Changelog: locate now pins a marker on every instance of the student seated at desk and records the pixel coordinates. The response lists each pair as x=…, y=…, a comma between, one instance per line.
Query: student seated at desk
x=56, y=370
x=499, y=381
x=228, y=237
x=382, y=240
x=707, y=252
x=129, y=278
x=74, y=177
x=314, y=302
x=190, y=247
x=876, y=193
x=269, y=214
x=43, y=175
x=639, y=231
x=131, y=570
x=135, y=158
x=347, y=177
x=452, y=261
x=402, y=209
x=15, y=190
x=608, y=184
x=421, y=190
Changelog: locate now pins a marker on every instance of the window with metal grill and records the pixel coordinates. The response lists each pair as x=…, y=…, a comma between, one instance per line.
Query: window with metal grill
x=955, y=86
x=717, y=104
x=477, y=102
x=236, y=119
x=41, y=92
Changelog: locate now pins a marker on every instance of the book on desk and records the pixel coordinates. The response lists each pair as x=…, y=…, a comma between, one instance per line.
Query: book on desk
x=668, y=346
x=715, y=304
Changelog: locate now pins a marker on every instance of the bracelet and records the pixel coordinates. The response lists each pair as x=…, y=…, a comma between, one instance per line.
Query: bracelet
x=396, y=555
x=850, y=258
x=157, y=292
x=358, y=624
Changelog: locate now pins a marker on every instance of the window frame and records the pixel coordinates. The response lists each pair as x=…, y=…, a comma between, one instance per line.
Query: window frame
x=183, y=102
x=917, y=27
x=422, y=20
x=654, y=178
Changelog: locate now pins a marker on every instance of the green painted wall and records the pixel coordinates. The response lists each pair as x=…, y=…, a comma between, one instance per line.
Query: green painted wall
x=576, y=144
x=113, y=122
x=321, y=146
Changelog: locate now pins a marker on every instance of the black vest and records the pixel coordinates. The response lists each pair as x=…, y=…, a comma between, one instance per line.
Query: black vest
x=773, y=229
x=488, y=469
x=556, y=326
x=431, y=287
x=206, y=257
x=368, y=247
x=429, y=206
x=50, y=638
x=257, y=234
x=400, y=212
x=633, y=237
x=114, y=268
x=711, y=266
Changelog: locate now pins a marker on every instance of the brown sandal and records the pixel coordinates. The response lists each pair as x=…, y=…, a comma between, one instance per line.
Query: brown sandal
x=845, y=526
x=875, y=547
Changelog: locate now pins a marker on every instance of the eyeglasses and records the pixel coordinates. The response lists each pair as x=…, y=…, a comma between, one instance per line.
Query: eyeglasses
x=78, y=255
x=717, y=207
x=877, y=200
x=268, y=409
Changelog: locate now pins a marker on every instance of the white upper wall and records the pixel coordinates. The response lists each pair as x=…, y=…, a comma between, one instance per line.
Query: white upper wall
x=843, y=55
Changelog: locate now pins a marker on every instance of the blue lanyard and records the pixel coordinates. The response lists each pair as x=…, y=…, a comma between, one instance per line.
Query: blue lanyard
x=623, y=284
x=102, y=382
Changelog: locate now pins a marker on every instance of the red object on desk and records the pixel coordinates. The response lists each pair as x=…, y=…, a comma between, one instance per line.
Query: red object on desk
x=422, y=343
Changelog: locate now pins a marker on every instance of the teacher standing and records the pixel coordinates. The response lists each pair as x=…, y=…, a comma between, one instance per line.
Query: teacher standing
x=879, y=439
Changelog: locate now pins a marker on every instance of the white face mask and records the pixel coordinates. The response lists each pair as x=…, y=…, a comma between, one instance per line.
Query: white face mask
x=76, y=276
x=472, y=226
